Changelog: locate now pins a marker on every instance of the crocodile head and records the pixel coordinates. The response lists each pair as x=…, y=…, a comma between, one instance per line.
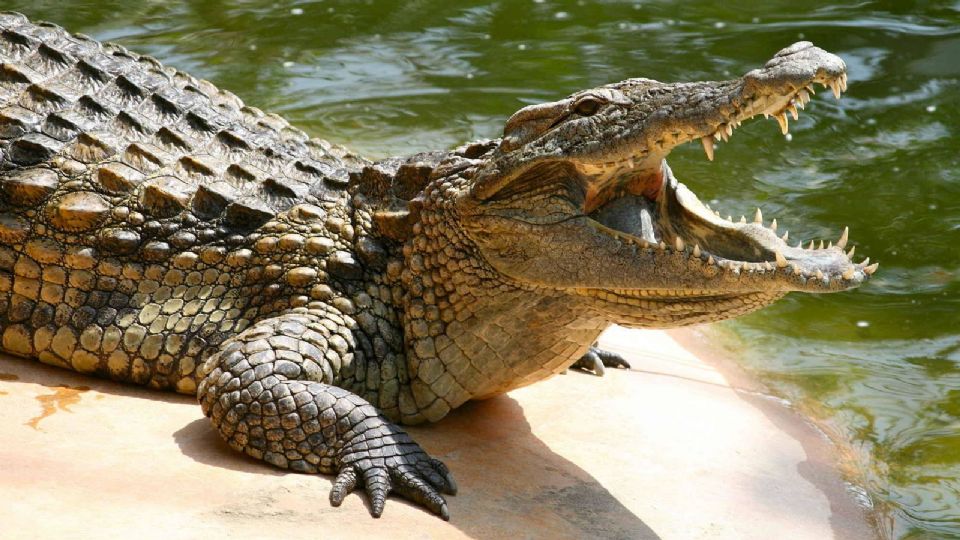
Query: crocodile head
x=577, y=198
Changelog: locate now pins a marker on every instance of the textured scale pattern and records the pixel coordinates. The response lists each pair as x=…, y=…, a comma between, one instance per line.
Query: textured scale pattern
x=112, y=162
x=271, y=398
x=146, y=217
x=122, y=131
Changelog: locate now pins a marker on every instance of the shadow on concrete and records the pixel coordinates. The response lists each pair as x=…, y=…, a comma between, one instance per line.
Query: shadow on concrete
x=495, y=456
x=512, y=484
x=199, y=441
x=506, y=475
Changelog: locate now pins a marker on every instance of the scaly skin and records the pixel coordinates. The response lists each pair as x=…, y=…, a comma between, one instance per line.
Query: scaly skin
x=157, y=231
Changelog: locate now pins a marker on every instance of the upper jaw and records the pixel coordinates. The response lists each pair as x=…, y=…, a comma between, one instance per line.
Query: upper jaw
x=711, y=111
x=774, y=91
x=778, y=89
x=638, y=129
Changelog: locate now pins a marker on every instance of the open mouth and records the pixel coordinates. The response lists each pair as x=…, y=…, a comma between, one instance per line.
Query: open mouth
x=648, y=207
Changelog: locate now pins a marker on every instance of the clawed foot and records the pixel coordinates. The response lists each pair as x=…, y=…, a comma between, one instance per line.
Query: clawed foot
x=596, y=359
x=393, y=463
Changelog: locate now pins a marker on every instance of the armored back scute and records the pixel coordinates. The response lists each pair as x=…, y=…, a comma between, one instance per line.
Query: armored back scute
x=92, y=134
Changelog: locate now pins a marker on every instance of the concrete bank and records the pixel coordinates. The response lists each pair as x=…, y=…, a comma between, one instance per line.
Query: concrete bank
x=669, y=449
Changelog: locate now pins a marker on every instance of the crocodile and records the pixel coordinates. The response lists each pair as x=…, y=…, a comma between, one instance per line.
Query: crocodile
x=155, y=230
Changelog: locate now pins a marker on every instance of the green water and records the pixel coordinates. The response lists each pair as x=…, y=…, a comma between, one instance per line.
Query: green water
x=392, y=77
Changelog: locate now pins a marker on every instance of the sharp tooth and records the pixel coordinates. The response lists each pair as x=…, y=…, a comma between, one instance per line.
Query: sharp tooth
x=716, y=213
x=743, y=220
x=758, y=217
x=767, y=266
x=793, y=111
x=842, y=242
x=835, y=86
x=781, y=260
x=830, y=244
x=851, y=252
x=630, y=163
x=710, y=259
x=803, y=97
x=849, y=273
x=707, y=147
x=786, y=236
x=696, y=250
x=812, y=245
x=811, y=90
x=821, y=245
x=729, y=130
x=784, y=125
x=871, y=269
x=843, y=82
x=865, y=262
x=773, y=225
x=644, y=244
x=766, y=115
x=795, y=268
x=662, y=245
x=679, y=244
x=730, y=218
x=819, y=274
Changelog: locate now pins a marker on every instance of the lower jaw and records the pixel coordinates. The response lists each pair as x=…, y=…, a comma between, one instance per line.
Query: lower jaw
x=654, y=225
x=653, y=220
x=661, y=309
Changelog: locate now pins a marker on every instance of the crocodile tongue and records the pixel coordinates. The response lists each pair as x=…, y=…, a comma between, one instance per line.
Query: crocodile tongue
x=632, y=214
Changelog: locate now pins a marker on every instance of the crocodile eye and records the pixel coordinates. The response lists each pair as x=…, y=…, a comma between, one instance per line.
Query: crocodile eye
x=588, y=106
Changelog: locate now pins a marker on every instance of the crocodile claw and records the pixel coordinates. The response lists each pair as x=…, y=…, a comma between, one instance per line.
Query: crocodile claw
x=404, y=468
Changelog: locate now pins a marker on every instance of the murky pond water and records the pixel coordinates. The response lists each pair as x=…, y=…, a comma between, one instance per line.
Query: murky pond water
x=395, y=77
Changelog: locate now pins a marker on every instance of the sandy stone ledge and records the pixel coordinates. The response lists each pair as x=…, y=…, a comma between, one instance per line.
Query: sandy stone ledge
x=666, y=450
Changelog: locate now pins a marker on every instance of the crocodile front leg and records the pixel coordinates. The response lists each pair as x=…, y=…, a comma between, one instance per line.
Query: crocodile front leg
x=271, y=393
